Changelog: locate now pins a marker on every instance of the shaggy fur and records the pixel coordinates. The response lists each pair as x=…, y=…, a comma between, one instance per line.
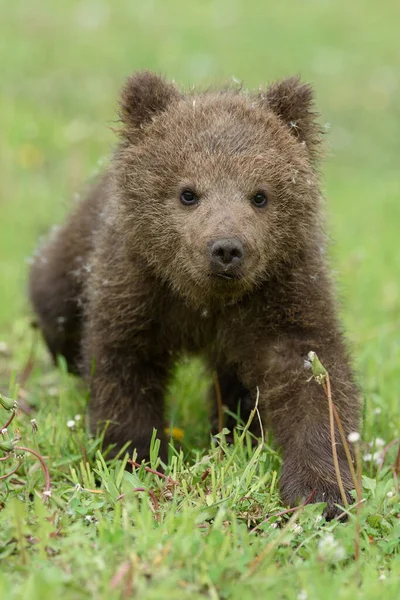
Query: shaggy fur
x=130, y=281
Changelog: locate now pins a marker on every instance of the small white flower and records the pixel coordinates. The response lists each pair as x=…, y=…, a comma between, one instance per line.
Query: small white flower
x=382, y=577
x=353, y=437
x=91, y=519
x=274, y=525
x=318, y=519
x=302, y=595
x=77, y=417
x=47, y=493
x=377, y=410
x=330, y=550
x=377, y=458
x=390, y=494
x=379, y=442
x=71, y=423
x=297, y=529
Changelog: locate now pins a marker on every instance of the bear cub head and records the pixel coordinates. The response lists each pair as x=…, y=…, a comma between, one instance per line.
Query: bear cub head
x=217, y=191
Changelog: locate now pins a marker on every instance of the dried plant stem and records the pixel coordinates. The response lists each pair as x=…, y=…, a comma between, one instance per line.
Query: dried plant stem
x=219, y=401
x=327, y=389
x=14, y=412
x=46, y=493
x=359, y=498
x=347, y=450
x=285, y=512
x=153, y=471
x=397, y=463
x=256, y=562
x=11, y=472
x=154, y=500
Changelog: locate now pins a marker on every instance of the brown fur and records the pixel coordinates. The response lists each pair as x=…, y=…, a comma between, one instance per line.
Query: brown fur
x=129, y=273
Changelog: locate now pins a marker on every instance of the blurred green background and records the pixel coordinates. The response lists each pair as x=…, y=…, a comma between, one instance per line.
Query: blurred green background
x=62, y=64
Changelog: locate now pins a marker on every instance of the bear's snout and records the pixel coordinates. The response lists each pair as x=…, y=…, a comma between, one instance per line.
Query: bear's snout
x=227, y=255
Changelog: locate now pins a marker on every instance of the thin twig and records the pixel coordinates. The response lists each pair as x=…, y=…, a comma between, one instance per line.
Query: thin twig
x=359, y=498
x=385, y=452
x=14, y=412
x=219, y=401
x=153, y=471
x=259, y=417
x=11, y=472
x=285, y=512
x=348, y=510
x=327, y=389
x=397, y=463
x=346, y=447
x=205, y=474
x=255, y=563
x=47, y=492
x=142, y=489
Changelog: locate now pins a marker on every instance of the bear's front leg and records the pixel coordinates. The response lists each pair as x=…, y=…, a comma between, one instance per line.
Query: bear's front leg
x=128, y=395
x=296, y=407
x=124, y=360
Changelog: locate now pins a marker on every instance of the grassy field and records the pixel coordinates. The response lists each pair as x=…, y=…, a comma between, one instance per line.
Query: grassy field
x=192, y=535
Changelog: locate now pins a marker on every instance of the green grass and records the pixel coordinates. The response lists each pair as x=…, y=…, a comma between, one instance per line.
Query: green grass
x=61, y=68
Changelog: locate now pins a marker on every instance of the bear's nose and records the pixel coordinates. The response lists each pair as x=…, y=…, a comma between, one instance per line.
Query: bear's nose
x=227, y=253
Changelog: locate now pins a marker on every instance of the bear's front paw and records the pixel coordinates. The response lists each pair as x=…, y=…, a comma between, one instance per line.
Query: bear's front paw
x=298, y=484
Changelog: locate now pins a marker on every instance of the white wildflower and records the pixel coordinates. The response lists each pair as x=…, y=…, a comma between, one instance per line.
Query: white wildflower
x=297, y=529
x=353, y=437
x=330, y=550
x=379, y=443
x=318, y=519
x=91, y=519
x=302, y=595
x=376, y=457
x=71, y=423
x=47, y=493
x=377, y=410
x=77, y=417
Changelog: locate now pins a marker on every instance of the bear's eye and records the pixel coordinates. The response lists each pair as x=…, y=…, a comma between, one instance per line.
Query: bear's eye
x=188, y=198
x=259, y=200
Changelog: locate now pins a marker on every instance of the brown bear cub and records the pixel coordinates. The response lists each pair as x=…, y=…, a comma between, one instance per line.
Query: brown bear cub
x=205, y=236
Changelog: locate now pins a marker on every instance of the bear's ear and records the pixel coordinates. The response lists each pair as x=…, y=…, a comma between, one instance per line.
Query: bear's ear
x=143, y=96
x=293, y=102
